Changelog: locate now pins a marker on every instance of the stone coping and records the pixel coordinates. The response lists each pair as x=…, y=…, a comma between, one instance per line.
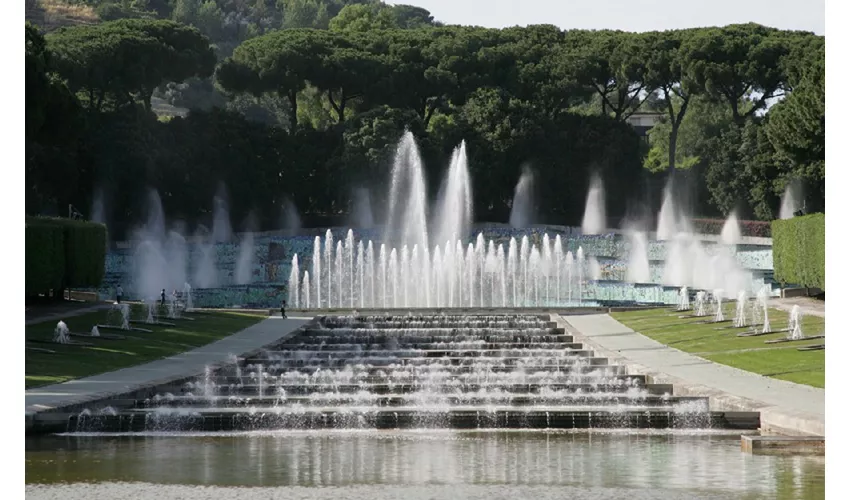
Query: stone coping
x=786, y=408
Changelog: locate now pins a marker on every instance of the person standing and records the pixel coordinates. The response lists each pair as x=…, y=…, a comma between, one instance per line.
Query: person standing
x=283, y=309
x=119, y=294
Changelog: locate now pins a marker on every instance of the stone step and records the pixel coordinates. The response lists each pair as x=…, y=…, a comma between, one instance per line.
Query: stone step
x=449, y=332
x=427, y=366
x=430, y=346
x=308, y=378
x=431, y=354
x=382, y=389
x=555, y=418
x=290, y=402
x=423, y=339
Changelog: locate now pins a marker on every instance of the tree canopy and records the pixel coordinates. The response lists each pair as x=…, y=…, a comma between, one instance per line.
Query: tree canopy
x=305, y=99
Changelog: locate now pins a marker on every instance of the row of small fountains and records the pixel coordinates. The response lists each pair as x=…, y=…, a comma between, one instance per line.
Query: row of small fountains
x=759, y=308
x=119, y=317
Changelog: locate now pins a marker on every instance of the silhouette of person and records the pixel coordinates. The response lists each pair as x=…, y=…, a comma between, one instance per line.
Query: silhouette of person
x=119, y=294
x=162, y=296
x=283, y=309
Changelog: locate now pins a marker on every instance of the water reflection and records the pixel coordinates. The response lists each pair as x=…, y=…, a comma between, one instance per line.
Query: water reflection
x=686, y=463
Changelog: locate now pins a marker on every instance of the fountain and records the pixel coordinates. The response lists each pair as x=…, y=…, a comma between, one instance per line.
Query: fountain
x=594, y=210
x=415, y=371
x=187, y=297
x=731, y=232
x=718, y=305
x=790, y=205
x=95, y=332
x=741, y=310
x=290, y=220
x=699, y=304
x=221, y=230
x=762, y=300
x=684, y=300
x=667, y=224
x=638, y=266
x=522, y=207
x=150, y=305
x=245, y=260
x=361, y=215
x=795, y=323
x=61, y=335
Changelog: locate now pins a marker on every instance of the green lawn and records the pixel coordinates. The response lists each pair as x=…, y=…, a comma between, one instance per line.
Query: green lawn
x=69, y=362
x=782, y=361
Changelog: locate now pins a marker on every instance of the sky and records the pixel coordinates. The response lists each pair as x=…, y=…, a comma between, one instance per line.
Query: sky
x=628, y=15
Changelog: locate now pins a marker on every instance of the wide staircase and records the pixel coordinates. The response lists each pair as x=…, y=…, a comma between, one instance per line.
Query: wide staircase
x=414, y=371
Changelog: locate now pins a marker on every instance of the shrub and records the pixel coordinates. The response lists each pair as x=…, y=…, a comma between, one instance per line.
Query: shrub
x=44, y=256
x=64, y=253
x=799, y=250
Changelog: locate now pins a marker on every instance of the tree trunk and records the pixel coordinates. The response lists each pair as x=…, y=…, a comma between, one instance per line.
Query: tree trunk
x=293, y=111
x=671, y=148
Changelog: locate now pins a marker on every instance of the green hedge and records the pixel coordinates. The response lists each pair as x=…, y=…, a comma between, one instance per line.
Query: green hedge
x=75, y=259
x=799, y=250
x=44, y=257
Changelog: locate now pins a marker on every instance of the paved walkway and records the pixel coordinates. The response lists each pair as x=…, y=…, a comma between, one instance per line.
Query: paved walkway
x=162, y=371
x=808, y=306
x=785, y=406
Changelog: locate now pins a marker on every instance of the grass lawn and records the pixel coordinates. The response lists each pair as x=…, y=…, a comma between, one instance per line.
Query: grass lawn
x=69, y=362
x=717, y=343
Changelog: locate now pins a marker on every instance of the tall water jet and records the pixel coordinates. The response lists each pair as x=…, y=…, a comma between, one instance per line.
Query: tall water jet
x=176, y=259
x=407, y=223
x=292, y=298
x=361, y=214
x=790, y=201
x=245, y=260
x=454, y=208
x=731, y=233
x=594, y=209
x=667, y=223
x=187, y=297
x=206, y=273
x=795, y=323
x=638, y=265
x=221, y=230
x=522, y=207
x=290, y=219
x=98, y=207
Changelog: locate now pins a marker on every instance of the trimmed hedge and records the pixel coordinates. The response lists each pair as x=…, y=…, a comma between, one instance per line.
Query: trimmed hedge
x=799, y=250
x=44, y=257
x=75, y=259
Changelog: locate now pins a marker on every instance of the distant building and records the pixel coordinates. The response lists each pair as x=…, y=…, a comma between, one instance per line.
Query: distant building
x=643, y=121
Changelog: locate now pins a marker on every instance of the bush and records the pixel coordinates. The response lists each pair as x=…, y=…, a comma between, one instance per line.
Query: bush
x=799, y=250
x=44, y=256
x=64, y=253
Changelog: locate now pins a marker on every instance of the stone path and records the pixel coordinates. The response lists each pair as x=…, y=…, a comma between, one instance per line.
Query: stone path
x=180, y=366
x=808, y=306
x=785, y=406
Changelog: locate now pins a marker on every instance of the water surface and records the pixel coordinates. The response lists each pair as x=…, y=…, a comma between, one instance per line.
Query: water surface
x=415, y=464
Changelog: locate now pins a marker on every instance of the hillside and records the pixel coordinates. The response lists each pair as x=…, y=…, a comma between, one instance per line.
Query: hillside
x=52, y=14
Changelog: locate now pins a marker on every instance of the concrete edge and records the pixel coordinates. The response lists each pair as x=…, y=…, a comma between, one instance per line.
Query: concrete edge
x=137, y=391
x=773, y=419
